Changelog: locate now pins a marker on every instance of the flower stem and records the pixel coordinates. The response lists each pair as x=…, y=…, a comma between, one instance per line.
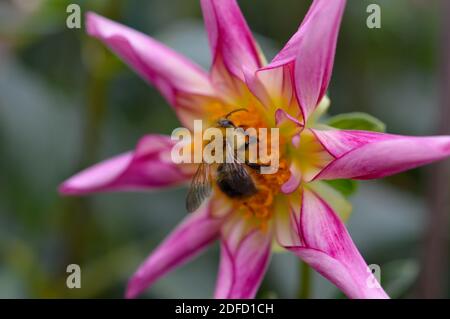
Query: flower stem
x=305, y=281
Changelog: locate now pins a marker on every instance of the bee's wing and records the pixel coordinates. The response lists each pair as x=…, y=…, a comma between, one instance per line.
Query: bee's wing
x=200, y=188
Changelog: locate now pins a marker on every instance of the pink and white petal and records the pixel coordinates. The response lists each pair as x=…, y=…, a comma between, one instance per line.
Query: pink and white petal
x=230, y=38
x=338, y=274
x=257, y=87
x=188, y=239
x=274, y=88
x=337, y=201
x=148, y=167
x=284, y=118
x=176, y=77
x=294, y=180
x=367, y=155
x=309, y=158
x=328, y=248
x=290, y=126
x=245, y=255
x=311, y=51
x=286, y=221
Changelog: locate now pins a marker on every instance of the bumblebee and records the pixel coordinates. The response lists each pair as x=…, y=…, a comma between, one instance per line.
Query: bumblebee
x=233, y=179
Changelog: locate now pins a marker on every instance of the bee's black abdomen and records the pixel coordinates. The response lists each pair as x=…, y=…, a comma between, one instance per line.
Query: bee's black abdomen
x=228, y=190
x=235, y=184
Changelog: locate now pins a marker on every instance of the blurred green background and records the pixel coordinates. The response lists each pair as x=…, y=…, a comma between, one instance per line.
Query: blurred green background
x=66, y=103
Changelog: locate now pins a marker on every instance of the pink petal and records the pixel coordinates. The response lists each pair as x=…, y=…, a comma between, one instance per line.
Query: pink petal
x=289, y=126
x=148, y=167
x=366, y=155
x=182, y=82
x=311, y=50
x=274, y=88
x=286, y=221
x=194, y=234
x=294, y=180
x=328, y=248
x=282, y=117
x=230, y=37
x=257, y=87
x=244, y=258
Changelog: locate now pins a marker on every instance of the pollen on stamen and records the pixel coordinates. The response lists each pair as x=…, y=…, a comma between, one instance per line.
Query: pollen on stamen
x=260, y=206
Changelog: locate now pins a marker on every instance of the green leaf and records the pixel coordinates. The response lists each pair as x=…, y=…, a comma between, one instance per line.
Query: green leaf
x=356, y=121
x=346, y=187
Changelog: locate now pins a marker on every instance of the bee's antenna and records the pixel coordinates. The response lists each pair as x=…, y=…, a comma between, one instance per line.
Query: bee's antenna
x=235, y=111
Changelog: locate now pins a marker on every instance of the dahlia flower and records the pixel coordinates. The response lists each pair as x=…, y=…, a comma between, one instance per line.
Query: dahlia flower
x=294, y=209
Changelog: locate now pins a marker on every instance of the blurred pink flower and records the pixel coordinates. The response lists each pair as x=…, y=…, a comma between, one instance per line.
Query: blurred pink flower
x=293, y=209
